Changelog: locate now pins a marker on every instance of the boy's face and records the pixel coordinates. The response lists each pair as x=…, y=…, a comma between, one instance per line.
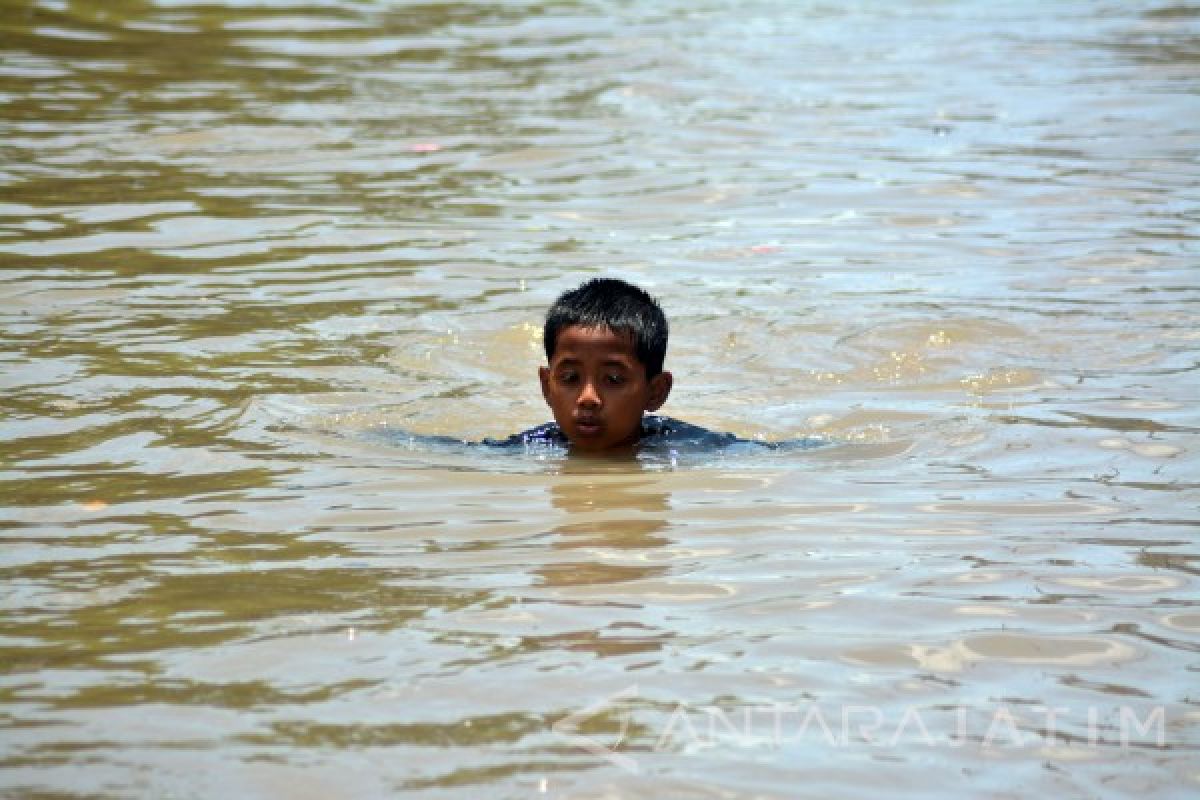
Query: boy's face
x=597, y=388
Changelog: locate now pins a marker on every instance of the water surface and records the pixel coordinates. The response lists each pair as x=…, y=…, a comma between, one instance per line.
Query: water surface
x=957, y=238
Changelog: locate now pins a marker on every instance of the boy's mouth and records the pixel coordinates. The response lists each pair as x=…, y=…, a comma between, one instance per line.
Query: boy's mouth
x=588, y=426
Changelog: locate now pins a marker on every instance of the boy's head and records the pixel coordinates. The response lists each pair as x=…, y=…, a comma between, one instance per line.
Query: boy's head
x=605, y=345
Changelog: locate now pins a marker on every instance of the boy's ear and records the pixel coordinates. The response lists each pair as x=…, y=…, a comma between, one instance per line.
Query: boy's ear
x=660, y=388
x=544, y=378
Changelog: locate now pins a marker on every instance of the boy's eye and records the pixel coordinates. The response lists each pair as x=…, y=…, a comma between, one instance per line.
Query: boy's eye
x=615, y=379
x=568, y=376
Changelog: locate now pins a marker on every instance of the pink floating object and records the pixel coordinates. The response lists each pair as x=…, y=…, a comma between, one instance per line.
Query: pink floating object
x=765, y=248
x=425, y=147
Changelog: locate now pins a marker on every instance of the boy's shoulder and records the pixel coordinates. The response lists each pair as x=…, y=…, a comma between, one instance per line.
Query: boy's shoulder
x=547, y=435
x=668, y=430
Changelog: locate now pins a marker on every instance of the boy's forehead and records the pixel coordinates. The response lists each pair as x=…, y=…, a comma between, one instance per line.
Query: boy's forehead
x=596, y=337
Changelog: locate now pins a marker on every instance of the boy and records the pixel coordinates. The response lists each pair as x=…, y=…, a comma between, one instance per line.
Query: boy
x=605, y=344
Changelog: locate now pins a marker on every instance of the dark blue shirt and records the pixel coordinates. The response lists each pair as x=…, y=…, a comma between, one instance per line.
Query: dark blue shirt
x=663, y=439
x=659, y=434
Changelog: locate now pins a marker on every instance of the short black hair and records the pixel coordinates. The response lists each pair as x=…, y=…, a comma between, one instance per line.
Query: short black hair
x=619, y=306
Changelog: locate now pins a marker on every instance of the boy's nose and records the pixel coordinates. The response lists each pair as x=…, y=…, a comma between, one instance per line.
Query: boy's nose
x=589, y=397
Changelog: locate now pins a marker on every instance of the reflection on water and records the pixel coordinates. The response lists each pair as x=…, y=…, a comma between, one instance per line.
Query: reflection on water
x=957, y=238
x=612, y=546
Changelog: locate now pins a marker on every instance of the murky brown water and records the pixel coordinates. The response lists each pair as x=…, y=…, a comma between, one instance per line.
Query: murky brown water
x=958, y=238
